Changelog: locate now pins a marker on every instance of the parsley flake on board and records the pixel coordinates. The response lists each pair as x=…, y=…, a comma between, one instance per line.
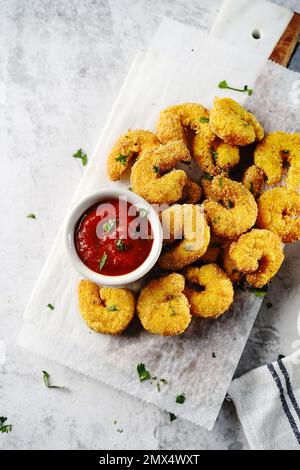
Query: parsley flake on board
x=31, y=216
x=224, y=85
x=172, y=417
x=102, y=261
x=259, y=292
x=81, y=155
x=143, y=372
x=46, y=378
x=180, y=399
x=51, y=306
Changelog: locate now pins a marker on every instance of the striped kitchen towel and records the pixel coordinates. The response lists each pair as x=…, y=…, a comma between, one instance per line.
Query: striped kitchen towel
x=267, y=401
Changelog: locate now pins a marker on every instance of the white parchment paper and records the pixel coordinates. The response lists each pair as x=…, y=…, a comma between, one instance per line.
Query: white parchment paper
x=182, y=64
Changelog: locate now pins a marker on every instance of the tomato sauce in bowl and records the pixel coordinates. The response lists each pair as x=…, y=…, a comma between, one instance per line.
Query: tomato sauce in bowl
x=113, y=237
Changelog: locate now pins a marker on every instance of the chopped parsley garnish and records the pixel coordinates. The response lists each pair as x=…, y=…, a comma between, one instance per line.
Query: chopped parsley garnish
x=46, y=378
x=221, y=182
x=158, y=386
x=122, y=159
x=120, y=431
x=230, y=204
x=180, y=399
x=214, y=155
x=112, y=308
x=143, y=212
x=164, y=381
x=120, y=245
x=172, y=417
x=4, y=428
x=259, y=292
x=109, y=225
x=213, y=355
x=208, y=177
x=102, y=261
x=285, y=152
x=143, y=373
x=83, y=156
x=251, y=189
x=51, y=306
x=31, y=216
x=155, y=169
x=224, y=85
x=204, y=120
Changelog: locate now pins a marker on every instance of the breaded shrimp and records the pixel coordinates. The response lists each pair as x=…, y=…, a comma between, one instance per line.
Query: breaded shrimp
x=163, y=308
x=230, y=208
x=217, y=295
x=186, y=224
x=279, y=211
x=273, y=152
x=254, y=180
x=174, y=121
x=215, y=156
x=258, y=254
x=192, y=192
x=128, y=146
x=151, y=175
x=228, y=265
x=106, y=310
x=233, y=123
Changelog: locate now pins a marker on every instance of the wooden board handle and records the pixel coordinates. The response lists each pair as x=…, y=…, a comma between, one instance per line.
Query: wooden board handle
x=286, y=45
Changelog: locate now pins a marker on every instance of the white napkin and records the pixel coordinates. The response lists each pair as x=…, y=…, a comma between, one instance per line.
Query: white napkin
x=267, y=401
x=182, y=64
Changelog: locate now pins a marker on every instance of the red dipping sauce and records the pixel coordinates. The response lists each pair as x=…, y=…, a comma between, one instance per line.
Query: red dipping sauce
x=113, y=237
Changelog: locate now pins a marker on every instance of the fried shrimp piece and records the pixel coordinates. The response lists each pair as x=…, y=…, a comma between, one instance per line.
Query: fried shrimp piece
x=230, y=208
x=213, y=251
x=217, y=295
x=254, y=180
x=214, y=156
x=233, y=123
x=273, y=152
x=279, y=211
x=258, y=254
x=192, y=192
x=151, y=175
x=228, y=265
x=186, y=224
x=128, y=146
x=174, y=121
x=163, y=308
x=106, y=310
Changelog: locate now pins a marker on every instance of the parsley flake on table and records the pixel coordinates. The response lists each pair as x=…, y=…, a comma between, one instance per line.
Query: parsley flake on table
x=224, y=85
x=46, y=378
x=259, y=292
x=81, y=155
x=4, y=428
x=102, y=261
x=172, y=417
x=143, y=372
x=180, y=399
x=51, y=306
x=31, y=216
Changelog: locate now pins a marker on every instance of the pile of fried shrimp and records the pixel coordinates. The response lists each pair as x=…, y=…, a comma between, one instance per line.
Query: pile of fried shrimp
x=223, y=232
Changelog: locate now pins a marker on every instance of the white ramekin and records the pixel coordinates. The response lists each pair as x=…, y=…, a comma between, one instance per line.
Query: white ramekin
x=102, y=196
